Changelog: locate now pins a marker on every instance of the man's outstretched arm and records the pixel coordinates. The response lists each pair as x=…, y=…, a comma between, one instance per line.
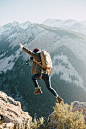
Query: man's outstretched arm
x=27, y=50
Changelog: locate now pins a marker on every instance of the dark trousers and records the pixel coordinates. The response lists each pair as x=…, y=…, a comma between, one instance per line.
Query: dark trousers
x=47, y=81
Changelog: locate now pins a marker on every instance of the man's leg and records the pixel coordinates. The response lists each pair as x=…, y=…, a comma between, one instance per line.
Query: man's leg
x=35, y=77
x=47, y=81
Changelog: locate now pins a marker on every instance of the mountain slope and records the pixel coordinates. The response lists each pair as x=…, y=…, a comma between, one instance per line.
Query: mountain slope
x=63, y=32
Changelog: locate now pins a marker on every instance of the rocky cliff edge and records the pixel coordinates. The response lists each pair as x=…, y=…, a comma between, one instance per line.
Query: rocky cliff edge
x=11, y=114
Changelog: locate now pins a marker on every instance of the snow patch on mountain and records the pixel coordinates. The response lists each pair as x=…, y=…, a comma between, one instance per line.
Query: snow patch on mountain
x=25, y=25
x=78, y=46
x=6, y=29
x=2, y=54
x=42, y=39
x=67, y=72
x=77, y=26
x=7, y=63
x=22, y=37
x=59, y=23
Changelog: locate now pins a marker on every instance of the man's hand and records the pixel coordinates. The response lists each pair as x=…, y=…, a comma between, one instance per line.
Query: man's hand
x=44, y=66
x=20, y=45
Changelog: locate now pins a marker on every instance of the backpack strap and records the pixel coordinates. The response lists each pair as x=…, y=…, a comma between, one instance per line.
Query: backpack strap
x=39, y=63
x=44, y=67
x=40, y=76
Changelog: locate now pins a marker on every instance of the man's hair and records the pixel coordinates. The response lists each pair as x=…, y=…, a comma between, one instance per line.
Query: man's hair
x=36, y=50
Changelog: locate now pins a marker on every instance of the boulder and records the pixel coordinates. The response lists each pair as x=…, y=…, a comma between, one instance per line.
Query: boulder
x=11, y=114
x=80, y=106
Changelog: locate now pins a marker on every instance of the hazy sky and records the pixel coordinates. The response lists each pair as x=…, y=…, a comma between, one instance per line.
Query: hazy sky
x=37, y=11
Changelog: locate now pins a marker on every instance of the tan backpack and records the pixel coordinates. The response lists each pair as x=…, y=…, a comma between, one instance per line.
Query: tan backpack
x=46, y=61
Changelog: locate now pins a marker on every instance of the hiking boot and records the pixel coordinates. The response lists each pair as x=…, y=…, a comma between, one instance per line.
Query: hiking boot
x=59, y=99
x=38, y=91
